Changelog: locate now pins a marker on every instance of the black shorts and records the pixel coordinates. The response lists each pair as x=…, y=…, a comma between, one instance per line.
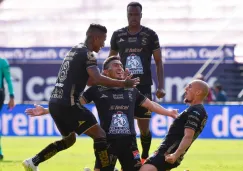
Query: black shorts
x=158, y=160
x=74, y=118
x=2, y=98
x=126, y=151
x=141, y=112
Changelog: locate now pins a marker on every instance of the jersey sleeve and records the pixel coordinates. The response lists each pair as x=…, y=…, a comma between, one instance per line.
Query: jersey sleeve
x=194, y=120
x=7, y=76
x=89, y=95
x=140, y=98
x=155, y=41
x=113, y=42
x=90, y=60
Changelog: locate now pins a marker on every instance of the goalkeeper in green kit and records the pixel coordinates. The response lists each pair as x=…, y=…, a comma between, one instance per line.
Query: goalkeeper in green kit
x=5, y=74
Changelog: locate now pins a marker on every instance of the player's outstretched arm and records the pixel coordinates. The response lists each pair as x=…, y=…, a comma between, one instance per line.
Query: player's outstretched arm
x=155, y=107
x=37, y=111
x=82, y=101
x=99, y=79
x=184, y=145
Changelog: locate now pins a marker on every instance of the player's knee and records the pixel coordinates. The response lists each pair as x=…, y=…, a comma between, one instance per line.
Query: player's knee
x=96, y=132
x=143, y=125
x=148, y=167
x=145, y=132
x=69, y=140
x=100, y=134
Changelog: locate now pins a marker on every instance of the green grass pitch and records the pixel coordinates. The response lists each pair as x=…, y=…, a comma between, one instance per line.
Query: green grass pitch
x=204, y=155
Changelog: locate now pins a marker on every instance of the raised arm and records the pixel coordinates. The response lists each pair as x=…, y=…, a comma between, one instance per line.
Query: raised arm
x=99, y=79
x=155, y=107
x=184, y=145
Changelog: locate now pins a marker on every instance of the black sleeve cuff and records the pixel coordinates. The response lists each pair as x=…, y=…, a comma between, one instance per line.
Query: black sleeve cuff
x=11, y=96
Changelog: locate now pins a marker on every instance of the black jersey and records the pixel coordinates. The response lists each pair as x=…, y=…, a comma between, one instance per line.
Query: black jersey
x=136, y=50
x=73, y=75
x=115, y=108
x=194, y=117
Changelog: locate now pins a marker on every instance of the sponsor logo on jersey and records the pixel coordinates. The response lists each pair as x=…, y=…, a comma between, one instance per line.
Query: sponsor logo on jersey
x=119, y=107
x=118, y=96
x=133, y=50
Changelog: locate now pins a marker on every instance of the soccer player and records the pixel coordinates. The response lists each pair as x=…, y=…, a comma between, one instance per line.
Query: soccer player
x=68, y=114
x=135, y=45
x=183, y=131
x=115, y=107
x=5, y=74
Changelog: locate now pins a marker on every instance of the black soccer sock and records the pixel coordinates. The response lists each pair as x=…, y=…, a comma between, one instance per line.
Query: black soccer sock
x=54, y=148
x=101, y=154
x=146, y=142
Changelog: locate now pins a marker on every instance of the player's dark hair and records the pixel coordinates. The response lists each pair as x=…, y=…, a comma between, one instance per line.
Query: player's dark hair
x=95, y=28
x=108, y=60
x=219, y=86
x=135, y=4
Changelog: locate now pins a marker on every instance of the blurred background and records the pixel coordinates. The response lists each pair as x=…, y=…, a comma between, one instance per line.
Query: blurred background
x=199, y=39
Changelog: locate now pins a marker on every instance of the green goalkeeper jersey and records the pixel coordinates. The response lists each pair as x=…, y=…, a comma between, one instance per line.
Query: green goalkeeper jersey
x=5, y=74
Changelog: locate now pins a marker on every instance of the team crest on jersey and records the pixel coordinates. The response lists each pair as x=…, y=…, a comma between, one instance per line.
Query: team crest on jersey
x=119, y=124
x=134, y=64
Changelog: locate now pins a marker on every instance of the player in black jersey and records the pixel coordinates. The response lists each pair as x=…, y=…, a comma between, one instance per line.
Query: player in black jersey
x=115, y=107
x=183, y=131
x=69, y=115
x=135, y=45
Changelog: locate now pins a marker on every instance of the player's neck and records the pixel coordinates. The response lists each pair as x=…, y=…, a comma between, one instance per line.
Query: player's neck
x=134, y=29
x=196, y=102
x=88, y=44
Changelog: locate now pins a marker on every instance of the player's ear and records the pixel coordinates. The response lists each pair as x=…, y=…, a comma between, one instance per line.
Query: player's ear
x=141, y=15
x=199, y=92
x=105, y=72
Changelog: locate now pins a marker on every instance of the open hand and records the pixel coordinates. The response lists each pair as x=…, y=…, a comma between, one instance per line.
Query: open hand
x=129, y=82
x=37, y=111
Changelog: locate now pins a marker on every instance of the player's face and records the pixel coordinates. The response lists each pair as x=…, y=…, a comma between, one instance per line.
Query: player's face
x=99, y=42
x=189, y=93
x=116, y=70
x=134, y=16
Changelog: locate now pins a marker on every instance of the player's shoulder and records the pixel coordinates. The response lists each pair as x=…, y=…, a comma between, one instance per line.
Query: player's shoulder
x=130, y=89
x=120, y=32
x=3, y=62
x=148, y=30
x=197, y=110
x=93, y=88
x=80, y=48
